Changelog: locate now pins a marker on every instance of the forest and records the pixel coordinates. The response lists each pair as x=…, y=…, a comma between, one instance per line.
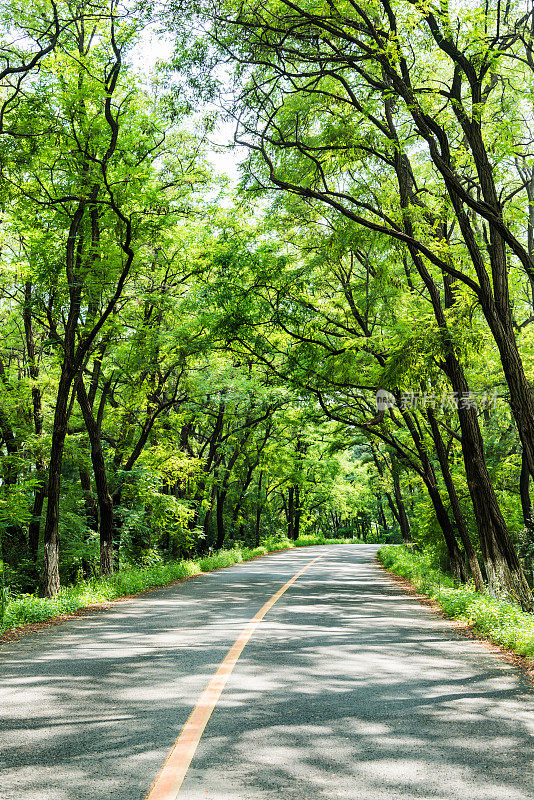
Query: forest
x=339, y=343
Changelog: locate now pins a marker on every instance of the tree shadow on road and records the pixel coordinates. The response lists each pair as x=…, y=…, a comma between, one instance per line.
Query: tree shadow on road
x=349, y=689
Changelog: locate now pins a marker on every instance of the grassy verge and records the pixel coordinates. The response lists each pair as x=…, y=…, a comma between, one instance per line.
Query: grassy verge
x=26, y=609
x=504, y=623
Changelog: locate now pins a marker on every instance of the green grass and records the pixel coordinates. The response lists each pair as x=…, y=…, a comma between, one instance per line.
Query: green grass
x=26, y=609
x=307, y=541
x=504, y=623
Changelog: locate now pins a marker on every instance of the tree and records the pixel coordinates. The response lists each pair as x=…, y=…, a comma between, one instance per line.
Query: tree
x=345, y=106
x=96, y=183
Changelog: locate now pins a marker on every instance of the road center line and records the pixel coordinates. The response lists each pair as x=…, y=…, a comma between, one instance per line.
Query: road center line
x=170, y=779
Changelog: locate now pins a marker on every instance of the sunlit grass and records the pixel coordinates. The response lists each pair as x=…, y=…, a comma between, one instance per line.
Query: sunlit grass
x=504, y=623
x=25, y=609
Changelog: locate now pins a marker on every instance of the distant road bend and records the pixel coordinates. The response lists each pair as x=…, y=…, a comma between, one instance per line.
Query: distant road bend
x=305, y=675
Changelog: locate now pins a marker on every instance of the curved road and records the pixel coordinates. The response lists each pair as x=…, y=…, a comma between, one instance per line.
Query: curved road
x=348, y=688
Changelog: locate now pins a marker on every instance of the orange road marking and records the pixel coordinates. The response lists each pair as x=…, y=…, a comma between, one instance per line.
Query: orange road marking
x=170, y=779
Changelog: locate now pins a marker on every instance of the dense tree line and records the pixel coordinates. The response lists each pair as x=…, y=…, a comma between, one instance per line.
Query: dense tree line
x=130, y=430
x=346, y=349
x=399, y=134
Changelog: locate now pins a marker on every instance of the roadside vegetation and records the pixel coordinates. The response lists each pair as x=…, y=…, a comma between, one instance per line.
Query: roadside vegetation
x=504, y=623
x=26, y=609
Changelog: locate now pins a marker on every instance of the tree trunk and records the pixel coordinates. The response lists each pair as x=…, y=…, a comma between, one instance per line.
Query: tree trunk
x=51, y=530
x=34, y=528
x=221, y=495
x=258, y=510
x=290, y=512
x=524, y=491
x=403, y=520
x=105, y=501
x=503, y=569
x=429, y=478
x=207, y=518
x=504, y=572
x=298, y=514
x=91, y=507
x=474, y=566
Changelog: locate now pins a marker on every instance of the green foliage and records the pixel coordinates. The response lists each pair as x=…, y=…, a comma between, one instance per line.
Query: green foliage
x=315, y=539
x=502, y=622
x=233, y=377
x=220, y=559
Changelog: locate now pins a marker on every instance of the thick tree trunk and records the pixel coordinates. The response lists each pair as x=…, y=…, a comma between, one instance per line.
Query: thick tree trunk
x=51, y=529
x=503, y=569
x=524, y=491
x=521, y=393
x=106, y=552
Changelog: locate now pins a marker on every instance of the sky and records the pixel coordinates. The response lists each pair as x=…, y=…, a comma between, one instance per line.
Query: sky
x=225, y=158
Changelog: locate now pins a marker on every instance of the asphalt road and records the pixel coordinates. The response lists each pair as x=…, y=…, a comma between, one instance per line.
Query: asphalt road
x=348, y=689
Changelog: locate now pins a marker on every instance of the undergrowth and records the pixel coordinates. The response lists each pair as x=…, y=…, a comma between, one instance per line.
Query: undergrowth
x=25, y=609
x=503, y=622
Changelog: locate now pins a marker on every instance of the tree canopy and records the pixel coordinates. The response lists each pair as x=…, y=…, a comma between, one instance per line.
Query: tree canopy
x=342, y=345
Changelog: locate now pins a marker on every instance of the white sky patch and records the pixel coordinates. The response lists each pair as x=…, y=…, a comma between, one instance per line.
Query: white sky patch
x=154, y=47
